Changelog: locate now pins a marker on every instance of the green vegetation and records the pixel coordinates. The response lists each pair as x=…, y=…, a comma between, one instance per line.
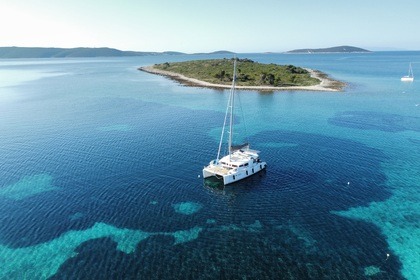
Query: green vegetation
x=249, y=73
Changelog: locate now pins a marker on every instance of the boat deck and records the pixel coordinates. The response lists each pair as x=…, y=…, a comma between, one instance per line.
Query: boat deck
x=239, y=157
x=218, y=170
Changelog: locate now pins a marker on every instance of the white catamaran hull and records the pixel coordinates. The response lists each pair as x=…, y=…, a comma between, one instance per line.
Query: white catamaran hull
x=407, y=79
x=239, y=165
x=232, y=177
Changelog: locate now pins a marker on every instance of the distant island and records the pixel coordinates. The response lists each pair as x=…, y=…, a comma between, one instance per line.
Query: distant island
x=217, y=73
x=339, y=49
x=28, y=52
x=35, y=52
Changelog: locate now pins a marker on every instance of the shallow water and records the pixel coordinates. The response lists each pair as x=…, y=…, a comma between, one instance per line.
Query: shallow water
x=100, y=169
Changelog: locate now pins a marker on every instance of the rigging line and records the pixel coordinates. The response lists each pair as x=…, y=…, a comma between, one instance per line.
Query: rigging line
x=232, y=105
x=242, y=113
x=243, y=118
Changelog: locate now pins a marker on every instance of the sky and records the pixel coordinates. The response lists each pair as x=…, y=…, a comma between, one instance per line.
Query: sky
x=204, y=26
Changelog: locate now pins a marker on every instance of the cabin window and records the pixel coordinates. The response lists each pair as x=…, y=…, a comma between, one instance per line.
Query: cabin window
x=233, y=177
x=252, y=170
x=247, y=172
x=246, y=164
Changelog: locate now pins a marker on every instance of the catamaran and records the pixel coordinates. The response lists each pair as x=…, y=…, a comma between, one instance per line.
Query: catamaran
x=240, y=161
x=410, y=76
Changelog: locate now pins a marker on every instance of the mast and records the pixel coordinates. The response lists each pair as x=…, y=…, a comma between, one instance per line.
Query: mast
x=229, y=112
x=231, y=101
x=410, y=71
x=223, y=130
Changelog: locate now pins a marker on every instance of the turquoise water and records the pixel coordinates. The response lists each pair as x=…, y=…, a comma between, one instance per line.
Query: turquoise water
x=100, y=165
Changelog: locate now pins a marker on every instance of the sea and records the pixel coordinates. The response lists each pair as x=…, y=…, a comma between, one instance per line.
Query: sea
x=101, y=173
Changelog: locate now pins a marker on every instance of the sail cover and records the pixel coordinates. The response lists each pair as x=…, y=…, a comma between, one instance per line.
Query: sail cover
x=238, y=147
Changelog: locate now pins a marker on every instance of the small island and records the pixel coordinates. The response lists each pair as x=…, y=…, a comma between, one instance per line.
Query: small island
x=217, y=73
x=339, y=49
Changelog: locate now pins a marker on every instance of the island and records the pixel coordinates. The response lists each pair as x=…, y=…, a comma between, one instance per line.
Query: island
x=39, y=52
x=36, y=52
x=217, y=73
x=339, y=49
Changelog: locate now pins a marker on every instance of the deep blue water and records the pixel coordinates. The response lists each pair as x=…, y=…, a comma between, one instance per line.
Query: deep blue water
x=100, y=165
